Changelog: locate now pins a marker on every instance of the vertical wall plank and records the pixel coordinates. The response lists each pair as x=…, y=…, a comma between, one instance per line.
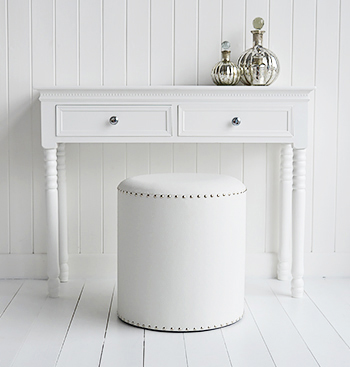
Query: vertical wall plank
x=43, y=68
x=114, y=171
x=343, y=153
x=255, y=180
x=186, y=37
x=304, y=33
x=90, y=46
x=233, y=26
x=185, y=158
x=272, y=196
x=137, y=159
x=209, y=39
x=208, y=158
x=90, y=198
x=161, y=158
x=4, y=130
x=162, y=27
x=303, y=74
x=280, y=35
x=231, y=160
x=73, y=197
x=138, y=42
x=20, y=98
x=325, y=132
x=114, y=43
x=67, y=50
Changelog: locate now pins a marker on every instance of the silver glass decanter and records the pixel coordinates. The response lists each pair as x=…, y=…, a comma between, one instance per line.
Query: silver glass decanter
x=259, y=66
x=225, y=72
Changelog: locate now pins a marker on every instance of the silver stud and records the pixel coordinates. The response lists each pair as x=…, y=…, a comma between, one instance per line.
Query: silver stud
x=169, y=196
x=191, y=196
x=154, y=196
x=184, y=196
x=198, y=196
x=156, y=327
x=141, y=194
x=149, y=325
x=161, y=195
x=218, y=195
x=164, y=328
x=175, y=196
x=223, y=194
x=179, y=328
x=143, y=325
x=205, y=196
x=171, y=328
x=211, y=195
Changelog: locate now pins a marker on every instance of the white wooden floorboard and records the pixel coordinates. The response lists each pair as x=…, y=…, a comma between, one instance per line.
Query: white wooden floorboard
x=85, y=337
x=123, y=344
x=8, y=290
x=47, y=334
x=17, y=320
x=285, y=344
x=164, y=349
x=321, y=338
x=332, y=298
x=244, y=337
x=206, y=349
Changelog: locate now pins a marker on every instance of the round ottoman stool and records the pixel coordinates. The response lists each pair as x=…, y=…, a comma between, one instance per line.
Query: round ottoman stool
x=181, y=251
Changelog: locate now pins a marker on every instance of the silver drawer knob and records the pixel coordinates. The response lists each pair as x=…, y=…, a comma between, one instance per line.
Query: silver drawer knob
x=113, y=120
x=236, y=121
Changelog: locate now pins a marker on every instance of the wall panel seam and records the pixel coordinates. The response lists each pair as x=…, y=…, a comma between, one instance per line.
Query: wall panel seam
x=314, y=125
x=7, y=71
x=31, y=119
x=337, y=124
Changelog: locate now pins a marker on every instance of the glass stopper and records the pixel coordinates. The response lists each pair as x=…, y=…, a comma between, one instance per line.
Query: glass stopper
x=225, y=45
x=258, y=23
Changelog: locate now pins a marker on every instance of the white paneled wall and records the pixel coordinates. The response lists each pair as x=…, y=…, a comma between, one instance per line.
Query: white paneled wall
x=45, y=43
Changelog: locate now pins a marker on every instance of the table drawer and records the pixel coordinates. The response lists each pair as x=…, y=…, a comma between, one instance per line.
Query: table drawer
x=206, y=120
x=132, y=120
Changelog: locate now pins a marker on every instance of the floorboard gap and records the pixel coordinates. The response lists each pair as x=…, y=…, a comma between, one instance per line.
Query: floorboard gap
x=70, y=323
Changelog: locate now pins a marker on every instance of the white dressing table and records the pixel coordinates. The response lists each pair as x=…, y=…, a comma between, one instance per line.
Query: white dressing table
x=192, y=114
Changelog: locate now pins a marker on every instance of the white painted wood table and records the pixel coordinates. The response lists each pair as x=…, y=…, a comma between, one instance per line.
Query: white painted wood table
x=176, y=114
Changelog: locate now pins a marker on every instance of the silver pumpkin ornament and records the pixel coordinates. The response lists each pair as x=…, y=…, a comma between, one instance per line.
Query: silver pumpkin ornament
x=259, y=66
x=225, y=72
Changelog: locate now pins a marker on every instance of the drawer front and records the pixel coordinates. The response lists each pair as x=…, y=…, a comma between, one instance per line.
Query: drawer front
x=94, y=120
x=261, y=121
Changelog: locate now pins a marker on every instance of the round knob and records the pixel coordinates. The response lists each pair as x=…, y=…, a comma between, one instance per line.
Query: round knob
x=236, y=121
x=113, y=120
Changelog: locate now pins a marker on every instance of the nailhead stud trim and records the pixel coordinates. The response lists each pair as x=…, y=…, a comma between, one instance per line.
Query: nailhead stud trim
x=178, y=329
x=169, y=196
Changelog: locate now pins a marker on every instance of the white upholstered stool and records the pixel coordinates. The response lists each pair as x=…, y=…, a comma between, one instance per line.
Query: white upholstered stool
x=181, y=251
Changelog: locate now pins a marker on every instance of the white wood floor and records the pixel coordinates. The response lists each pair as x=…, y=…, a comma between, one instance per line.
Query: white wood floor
x=81, y=329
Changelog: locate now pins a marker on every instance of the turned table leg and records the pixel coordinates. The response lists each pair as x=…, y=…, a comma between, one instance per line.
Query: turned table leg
x=52, y=221
x=298, y=220
x=286, y=168
x=62, y=205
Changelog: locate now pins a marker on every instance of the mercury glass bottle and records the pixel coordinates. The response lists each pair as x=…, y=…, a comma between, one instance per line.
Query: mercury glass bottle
x=225, y=72
x=259, y=66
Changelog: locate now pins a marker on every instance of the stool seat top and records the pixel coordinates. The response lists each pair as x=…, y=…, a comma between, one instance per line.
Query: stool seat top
x=182, y=184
